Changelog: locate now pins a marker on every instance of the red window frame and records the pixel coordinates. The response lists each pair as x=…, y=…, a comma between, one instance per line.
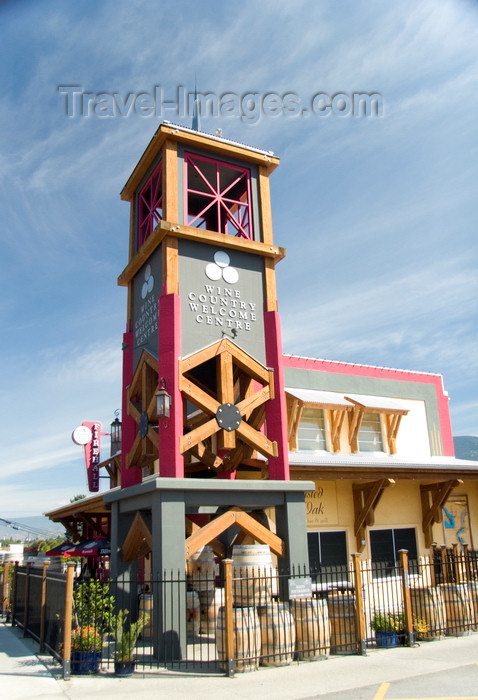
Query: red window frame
x=150, y=205
x=225, y=208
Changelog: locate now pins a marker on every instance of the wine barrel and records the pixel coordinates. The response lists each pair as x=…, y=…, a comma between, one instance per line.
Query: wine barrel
x=343, y=635
x=277, y=634
x=192, y=613
x=247, y=638
x=210, y=602
x=146, y=605
x=201, y=570
x=312, y=628
x=428, y=605
x=473, y=589
x=252, y=574
x=459, y=608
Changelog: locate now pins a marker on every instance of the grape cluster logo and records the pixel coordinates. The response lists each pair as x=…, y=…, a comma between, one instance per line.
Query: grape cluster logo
x=220, y=269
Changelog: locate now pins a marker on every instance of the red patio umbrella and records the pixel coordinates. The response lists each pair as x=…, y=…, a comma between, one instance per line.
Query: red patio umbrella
x=60, y=550
x=90, y=548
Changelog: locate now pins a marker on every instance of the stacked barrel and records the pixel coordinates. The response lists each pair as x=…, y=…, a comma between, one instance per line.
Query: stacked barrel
x=447, y=609
x=273, y=633
x=251, y=581
x=203, y=598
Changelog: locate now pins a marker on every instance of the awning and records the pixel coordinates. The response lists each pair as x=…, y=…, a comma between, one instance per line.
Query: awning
x=319, y=398
x=378, y=404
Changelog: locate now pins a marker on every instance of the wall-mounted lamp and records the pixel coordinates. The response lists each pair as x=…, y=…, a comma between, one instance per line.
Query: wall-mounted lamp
x=163, y=400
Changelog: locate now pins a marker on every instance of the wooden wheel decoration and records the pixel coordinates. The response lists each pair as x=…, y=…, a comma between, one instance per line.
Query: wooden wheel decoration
x=142, y=407
x=232, y=406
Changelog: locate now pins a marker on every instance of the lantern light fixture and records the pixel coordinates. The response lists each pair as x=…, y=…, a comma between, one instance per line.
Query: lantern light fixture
x=115, y=434
x=163, y=400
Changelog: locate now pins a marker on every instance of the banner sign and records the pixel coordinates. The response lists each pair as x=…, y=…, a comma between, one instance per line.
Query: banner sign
x=88, y=434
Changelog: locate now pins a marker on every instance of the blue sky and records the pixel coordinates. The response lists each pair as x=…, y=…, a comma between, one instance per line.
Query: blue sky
x=378, y=215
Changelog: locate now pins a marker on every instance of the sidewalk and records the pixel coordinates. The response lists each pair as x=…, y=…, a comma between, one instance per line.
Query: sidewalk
x=23, y=675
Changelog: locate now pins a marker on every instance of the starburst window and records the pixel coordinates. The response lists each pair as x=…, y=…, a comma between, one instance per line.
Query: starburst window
x=218, y=196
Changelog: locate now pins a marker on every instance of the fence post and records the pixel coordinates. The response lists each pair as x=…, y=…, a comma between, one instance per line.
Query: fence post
x=466, y=556
x=13, y=596
x=444, y=564
x=67, y=618
x=433, y=580
x=228, y=618
x=359, y=607
x=26, y=598
x=407, y=603
x=456, y=563
x=6, y=587
x=46, y=564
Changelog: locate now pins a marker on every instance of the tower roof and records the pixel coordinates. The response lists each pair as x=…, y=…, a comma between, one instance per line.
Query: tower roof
x=198, y=139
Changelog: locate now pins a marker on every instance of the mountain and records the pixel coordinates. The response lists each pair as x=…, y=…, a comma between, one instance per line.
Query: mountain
x=31, y=528
x=466, y=447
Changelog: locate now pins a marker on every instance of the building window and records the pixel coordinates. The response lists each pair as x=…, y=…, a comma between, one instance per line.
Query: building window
x=311, y=432
x=328, y=556
x=218, y=196
x=150, y=205
x=370, y=434
x=385, y=546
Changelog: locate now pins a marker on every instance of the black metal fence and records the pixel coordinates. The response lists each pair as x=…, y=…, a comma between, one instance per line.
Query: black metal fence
x=232, y=619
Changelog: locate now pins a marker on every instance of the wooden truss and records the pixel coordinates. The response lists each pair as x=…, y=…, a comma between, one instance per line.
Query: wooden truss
x=433, y=498
x=240, y=382
x=139, y=541
x=242, y=520
x=366, y=499
x=142, y=407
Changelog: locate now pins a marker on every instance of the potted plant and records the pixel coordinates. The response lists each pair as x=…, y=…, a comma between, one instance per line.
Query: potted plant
x=126, y=636
x=420, y=627
x=86, y=646
x=93, y=605
x=386, y=627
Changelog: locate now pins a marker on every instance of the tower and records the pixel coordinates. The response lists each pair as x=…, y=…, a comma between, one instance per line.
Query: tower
x=202, y=315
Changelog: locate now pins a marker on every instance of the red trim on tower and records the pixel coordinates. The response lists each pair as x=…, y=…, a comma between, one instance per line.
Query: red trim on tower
x=171, y=462
x=276, y=409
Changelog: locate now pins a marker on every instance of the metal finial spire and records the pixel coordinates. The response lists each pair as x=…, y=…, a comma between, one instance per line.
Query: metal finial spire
x=196, y=125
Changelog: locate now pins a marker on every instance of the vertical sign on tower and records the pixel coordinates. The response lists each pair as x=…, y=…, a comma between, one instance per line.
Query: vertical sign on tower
x=88, y=434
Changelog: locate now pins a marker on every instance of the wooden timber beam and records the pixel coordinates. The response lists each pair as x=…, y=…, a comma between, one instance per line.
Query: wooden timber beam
x=366, y=498
x=218, y=547
x=138, y=541
x=207, y=456
x=95, y=522
x=432, y=511
x=234, y=516
x=294, y=414
x=392, y=421
x=337, y=417
x=70, y=525
x=354, y=427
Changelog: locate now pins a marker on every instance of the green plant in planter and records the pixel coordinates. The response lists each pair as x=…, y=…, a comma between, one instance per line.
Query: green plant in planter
x=386, y=622
x=93, y=605
x=126, y=634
